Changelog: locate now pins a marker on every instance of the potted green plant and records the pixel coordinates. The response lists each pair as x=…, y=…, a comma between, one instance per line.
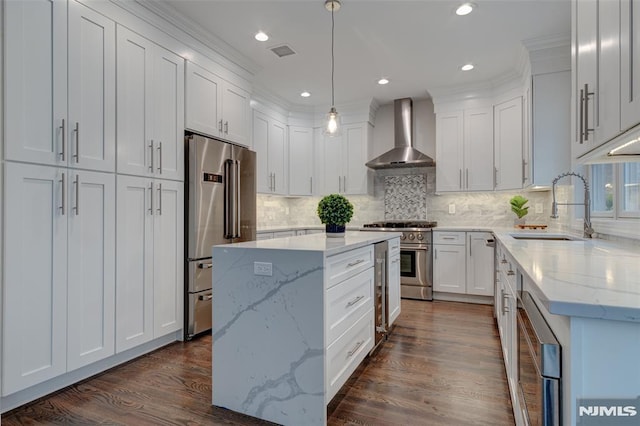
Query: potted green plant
x=517, y=203
x=335, y=211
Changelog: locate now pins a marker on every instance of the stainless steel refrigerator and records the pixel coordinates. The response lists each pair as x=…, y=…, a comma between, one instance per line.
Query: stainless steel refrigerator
x=220, y=209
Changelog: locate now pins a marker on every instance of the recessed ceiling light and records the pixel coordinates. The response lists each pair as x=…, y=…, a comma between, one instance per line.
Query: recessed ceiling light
x=261, y=36
x=467, y=67
x=465, y=9
x=383, y=81
x=305, y=94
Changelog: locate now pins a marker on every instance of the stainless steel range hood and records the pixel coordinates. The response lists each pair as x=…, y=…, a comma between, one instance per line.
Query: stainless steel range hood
x=403, y=154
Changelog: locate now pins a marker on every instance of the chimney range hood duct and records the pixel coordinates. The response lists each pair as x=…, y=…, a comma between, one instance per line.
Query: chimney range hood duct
x=403, y=154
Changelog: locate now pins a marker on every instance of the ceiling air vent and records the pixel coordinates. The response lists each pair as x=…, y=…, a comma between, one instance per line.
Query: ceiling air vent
x=283, y=50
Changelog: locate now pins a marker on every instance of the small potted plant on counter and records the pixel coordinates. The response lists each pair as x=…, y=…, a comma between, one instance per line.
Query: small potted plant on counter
x=518, y=207
x=335, y=211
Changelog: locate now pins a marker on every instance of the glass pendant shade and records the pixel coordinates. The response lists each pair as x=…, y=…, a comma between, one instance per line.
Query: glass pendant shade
x=332, y=126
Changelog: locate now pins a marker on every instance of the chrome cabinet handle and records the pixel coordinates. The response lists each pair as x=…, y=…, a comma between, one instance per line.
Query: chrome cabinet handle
x=77, y=131
x=160, y=157
x=311, y=185
x=64, y=195
x=395, y=261
x=354, y=301
x=448, y=238
x=510, y=272
x=503, y=261
x=159, y=199
x=460, y=178
x=226, y=127
x=77, y=184
x=466, y=173
x=274, y=182
x=220, y=126
x=344, y=184
x=581, y=118
x=523, y=167
x=151, y=148
x=587, y=94
x=207, y=297
x=205, y=265
x=355, y=349
x=151, y=199
x=64, y=139
x=357, y=262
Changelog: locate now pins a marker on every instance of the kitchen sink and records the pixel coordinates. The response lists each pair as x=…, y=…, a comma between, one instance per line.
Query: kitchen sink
x=545, y=237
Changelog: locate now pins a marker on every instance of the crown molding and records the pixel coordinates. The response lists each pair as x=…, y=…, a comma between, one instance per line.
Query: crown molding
x=547, y=41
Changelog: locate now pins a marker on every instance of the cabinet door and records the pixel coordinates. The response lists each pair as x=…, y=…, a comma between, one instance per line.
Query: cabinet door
x=394, y=287
x=479, y=264
x=91, y=268
x=478, y=150
x=203, y=100
x=276, y=156
x=134, y=261
x=168, y=257
x=236, y=114
x=449, y=151
x=449, y=271
x=508, y=144
x=300, y=161
x=586, y=30
x=607, y=120
x=92, y=89
x=168, y=112
x=34, y=314
x=35, y=37
x=331, y=164
x=261, y=146
x=135, y=103
x=629, y=63
x=354, y=170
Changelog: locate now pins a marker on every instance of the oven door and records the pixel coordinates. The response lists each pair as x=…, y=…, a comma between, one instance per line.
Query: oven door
x=415, y=265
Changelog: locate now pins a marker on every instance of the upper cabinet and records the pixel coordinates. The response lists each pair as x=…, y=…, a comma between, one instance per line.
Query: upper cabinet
x=606, y=70
x=150, y=109
x=269, y=141
x=216, y=107
x=508, y=140
x=61, y=60
x=464, y=150
x=300, y=160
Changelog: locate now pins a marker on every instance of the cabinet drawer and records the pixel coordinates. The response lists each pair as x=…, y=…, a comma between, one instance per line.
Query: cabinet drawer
x=346, y=353
x=394, y=246
x=441, y=237
x=348, y=301
x=345, y=265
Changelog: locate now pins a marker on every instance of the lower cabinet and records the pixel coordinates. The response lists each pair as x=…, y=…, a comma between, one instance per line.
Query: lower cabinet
x=149, y=283
x=394, y=280
x=58, y=307
x=463, y=263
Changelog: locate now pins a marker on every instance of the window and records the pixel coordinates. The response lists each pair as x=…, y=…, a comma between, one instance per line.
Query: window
x=615, y=190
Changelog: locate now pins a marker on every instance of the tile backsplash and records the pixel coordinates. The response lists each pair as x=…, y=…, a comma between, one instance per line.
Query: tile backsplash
x=405, y=197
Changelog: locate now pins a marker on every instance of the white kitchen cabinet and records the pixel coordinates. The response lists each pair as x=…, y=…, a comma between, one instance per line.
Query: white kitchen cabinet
x=508, y=139
x=464, y=149
x=216, y=107
x=300, y=160
x=60, y=58
x=63, y=221
x=149, y=247
x=629, y=64
x=394, y=280
x=269, y=142
x=463, y=263
x=150, y=109
x=342, y=160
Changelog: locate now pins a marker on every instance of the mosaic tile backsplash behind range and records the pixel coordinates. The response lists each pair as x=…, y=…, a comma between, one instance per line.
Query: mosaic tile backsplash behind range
x=405, y=197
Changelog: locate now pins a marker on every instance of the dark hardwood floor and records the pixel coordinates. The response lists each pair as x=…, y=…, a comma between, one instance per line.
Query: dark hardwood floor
x=441, y=365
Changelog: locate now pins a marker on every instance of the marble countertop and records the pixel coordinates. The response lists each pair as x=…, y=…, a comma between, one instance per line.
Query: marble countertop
x=586, y=278
x=318, y=242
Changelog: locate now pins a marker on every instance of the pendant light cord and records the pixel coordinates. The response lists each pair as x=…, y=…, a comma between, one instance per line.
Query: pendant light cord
x=332, y=56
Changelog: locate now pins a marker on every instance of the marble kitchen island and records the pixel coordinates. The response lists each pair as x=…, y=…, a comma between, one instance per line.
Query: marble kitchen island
x=292, y=319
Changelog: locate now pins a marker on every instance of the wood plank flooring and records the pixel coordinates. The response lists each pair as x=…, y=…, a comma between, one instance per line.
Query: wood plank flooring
x=442, y=365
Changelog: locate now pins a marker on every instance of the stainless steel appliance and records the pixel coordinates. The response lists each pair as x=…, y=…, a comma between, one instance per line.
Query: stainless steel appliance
x=539, y=360
x=381, y=296
x=220, y=207
x=416, y=262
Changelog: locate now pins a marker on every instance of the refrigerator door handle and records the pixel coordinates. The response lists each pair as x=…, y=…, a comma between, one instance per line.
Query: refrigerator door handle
x=237, y=199
x=229, y=195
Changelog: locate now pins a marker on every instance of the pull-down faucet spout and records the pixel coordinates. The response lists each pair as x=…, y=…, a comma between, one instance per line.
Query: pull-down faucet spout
x=588, y=230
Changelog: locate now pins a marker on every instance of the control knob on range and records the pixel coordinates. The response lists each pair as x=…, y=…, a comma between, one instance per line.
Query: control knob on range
x=411, y=236
x=420, y=236
x=403, y=236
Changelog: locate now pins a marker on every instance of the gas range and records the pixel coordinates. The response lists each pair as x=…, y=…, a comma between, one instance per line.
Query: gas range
x=413, y=231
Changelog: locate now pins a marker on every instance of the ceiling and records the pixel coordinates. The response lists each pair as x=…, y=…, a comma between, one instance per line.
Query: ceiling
x=419, y=45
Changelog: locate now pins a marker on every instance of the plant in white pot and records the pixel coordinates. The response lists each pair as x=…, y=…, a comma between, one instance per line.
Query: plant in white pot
x=335, y=211
x=517, y=203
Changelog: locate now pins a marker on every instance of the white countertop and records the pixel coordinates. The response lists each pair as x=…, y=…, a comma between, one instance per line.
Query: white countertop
x=319, y=242
x=588, y=278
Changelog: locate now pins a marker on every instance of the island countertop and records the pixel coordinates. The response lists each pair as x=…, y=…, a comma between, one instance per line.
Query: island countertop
x=582, y=278
x=319, y=242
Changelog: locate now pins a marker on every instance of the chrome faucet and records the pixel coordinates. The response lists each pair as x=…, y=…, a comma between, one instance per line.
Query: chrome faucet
x=588, y=230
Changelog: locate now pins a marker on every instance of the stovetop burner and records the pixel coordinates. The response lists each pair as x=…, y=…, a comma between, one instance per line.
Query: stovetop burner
x=399, y=224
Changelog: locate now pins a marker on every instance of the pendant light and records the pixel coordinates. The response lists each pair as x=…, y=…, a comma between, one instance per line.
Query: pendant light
x=332, y=126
